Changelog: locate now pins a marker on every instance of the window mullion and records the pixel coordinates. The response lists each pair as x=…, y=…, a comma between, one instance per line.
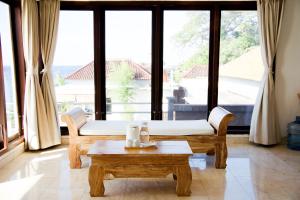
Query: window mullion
x=214, y=50
x=19, y=60
x=99, y=64
x=157, y=63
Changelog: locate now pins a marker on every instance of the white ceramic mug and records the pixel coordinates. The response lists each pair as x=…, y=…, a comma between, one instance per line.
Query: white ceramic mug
x=132, y=132
x=129, y=143
x=136, y=143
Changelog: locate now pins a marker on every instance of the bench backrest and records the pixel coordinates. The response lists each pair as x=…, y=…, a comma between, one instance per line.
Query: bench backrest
x=74, y=119
x=219, y=118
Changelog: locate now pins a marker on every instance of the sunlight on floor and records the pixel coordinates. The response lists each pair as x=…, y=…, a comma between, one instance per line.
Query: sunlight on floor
x=54, y=151
x=252, y=173
x=16, y=189
x=45, y=158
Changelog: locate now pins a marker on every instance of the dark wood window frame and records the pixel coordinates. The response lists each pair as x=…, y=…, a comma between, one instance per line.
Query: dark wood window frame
x=3, y=125
x=19, y=68
x=99, y=8
x=157, y=9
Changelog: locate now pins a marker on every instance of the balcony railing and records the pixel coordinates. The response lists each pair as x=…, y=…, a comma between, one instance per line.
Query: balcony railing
x=173, y=111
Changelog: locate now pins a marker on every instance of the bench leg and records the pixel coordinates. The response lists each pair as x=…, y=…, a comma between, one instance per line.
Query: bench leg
x=74, y=156
x=221, y=155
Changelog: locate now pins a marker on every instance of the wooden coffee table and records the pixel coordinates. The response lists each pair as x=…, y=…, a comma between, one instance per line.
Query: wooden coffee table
x=110, y=157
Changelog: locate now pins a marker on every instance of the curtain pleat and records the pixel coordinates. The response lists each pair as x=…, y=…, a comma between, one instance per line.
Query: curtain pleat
x=49, y=18
x=37, y=134
x=264, y=124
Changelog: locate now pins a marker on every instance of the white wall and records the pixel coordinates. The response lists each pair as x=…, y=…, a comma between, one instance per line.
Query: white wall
x=288, y=66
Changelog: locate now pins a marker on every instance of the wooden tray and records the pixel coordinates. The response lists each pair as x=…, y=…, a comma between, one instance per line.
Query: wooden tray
x=151, y=145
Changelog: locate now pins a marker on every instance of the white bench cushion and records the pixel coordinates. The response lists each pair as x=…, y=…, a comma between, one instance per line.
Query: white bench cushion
x=156, y=127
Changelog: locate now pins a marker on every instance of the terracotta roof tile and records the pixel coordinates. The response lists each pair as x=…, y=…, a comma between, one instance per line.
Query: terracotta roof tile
x=87, y=72
x=196, y=71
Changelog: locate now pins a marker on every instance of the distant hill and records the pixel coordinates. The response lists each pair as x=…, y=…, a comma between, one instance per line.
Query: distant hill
x=64, y=71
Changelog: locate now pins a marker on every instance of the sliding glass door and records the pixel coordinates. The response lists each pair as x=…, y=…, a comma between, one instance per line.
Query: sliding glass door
x=169, y=61
x=241, y=67
x=11, y=109
x=128, y=65
x=73, y=66
x=185, y=64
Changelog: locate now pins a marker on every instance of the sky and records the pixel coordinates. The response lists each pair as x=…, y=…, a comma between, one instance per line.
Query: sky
x=128, y=35
x=5, y=33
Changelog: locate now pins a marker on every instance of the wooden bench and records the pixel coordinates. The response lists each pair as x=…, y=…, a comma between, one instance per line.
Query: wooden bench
x=212, y=142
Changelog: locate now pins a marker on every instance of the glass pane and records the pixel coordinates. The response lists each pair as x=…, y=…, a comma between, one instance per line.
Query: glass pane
x=241, y=66
x=73, y=67
x=128, y=65
x=185, y=73
x=9, y=73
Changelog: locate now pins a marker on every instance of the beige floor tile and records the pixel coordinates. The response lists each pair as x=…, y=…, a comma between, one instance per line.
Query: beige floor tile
x=253, y=172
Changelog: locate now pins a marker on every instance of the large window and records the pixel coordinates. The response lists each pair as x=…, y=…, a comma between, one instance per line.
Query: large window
x=185, y=70
x=159, y=60
x=73, y=67
x=12, y=122
x=128, y=65
x=241, y=66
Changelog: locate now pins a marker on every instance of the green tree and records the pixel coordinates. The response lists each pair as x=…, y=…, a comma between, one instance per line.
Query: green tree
x=239, y=33
x=59, y=80
x=195, y=32
x=123, y=76
x=64, y=107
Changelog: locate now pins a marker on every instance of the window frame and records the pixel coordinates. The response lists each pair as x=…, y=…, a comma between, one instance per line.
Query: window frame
x=19, y=69
x=99, y=8
x=158, y=9
x=3, y=121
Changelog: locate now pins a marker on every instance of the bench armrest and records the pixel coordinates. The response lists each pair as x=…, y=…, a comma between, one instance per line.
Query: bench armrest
x=74, y=119
x=219, y=118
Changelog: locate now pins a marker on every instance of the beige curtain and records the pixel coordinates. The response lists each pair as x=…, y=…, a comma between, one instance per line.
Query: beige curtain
x=49, y=17
x=36, y=128
x=264, y=124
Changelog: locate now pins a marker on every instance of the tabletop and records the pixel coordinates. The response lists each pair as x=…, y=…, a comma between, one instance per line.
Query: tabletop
x=117, y=147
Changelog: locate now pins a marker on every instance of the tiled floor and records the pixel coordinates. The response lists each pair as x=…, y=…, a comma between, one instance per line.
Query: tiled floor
x=253, y=172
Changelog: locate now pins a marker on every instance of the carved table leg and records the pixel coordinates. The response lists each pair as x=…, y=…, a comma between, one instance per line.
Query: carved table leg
x=211, y=152
x=184, y=180
x=96, y=177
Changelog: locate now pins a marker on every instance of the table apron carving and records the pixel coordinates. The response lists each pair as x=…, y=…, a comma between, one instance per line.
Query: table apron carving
x=171, y=157
x=182, y=172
